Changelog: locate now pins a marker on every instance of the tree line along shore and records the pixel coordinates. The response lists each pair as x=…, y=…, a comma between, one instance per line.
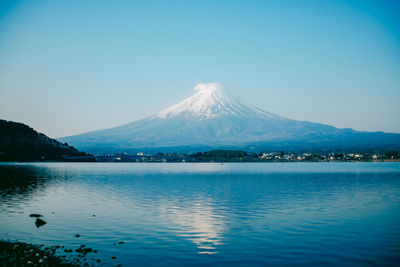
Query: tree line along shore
x=19, y=142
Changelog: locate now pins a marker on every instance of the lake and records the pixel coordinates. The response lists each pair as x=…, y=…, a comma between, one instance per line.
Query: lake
x=207, y=213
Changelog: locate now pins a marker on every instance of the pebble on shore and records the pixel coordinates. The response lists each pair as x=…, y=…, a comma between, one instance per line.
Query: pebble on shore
x=21, y=254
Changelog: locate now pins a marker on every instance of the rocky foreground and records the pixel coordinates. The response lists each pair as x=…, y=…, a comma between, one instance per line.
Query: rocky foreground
x=21, y=254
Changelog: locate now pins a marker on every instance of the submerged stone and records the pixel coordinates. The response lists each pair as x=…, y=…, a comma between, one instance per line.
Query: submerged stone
x=87, y=250
x=39, y=222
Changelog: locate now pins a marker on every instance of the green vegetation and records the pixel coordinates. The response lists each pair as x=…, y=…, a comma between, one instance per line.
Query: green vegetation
x=224, y=156
x=19, y=142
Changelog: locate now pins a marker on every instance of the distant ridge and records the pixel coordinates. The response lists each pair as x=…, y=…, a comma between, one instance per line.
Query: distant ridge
x=19, y=142
x=212, y=118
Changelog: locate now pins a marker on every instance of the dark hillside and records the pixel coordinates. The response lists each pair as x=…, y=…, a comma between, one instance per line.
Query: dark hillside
x=19, y=142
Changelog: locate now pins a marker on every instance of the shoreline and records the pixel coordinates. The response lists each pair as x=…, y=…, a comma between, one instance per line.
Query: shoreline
x=271, y=161
x=21, y=254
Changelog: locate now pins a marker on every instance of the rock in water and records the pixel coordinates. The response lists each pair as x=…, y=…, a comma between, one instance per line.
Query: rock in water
x=39, y=222
x=35, y=215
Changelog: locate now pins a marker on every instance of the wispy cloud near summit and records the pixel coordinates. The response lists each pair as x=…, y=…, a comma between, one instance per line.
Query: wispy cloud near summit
x=214, y=86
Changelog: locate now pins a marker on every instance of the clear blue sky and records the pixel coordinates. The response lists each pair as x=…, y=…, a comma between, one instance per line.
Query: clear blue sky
x=67, y=67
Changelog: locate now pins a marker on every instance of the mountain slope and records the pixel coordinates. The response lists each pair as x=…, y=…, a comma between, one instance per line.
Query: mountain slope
x=212, y=118
x=19, y=142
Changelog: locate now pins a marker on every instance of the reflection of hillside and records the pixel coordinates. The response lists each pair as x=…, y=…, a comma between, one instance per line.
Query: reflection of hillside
x=199, y=224
x=19, y=182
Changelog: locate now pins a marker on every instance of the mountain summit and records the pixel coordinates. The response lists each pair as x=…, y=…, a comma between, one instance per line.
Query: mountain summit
x=212, y=118
x=211, y=101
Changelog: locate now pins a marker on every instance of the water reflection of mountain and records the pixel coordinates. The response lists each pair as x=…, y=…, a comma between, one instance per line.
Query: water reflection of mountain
x=198, y=223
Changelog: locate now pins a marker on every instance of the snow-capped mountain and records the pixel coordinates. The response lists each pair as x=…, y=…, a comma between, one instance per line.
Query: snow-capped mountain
x=212, y=118
x=211, y=101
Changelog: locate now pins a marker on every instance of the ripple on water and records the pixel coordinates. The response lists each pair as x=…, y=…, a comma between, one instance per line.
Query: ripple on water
x=242, y=214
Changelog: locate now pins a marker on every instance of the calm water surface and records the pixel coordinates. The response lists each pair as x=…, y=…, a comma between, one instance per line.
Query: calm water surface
x=194, y=214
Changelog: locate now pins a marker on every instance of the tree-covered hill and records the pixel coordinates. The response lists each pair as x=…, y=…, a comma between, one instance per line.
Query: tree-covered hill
x=224, y=156
x=19, y=142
